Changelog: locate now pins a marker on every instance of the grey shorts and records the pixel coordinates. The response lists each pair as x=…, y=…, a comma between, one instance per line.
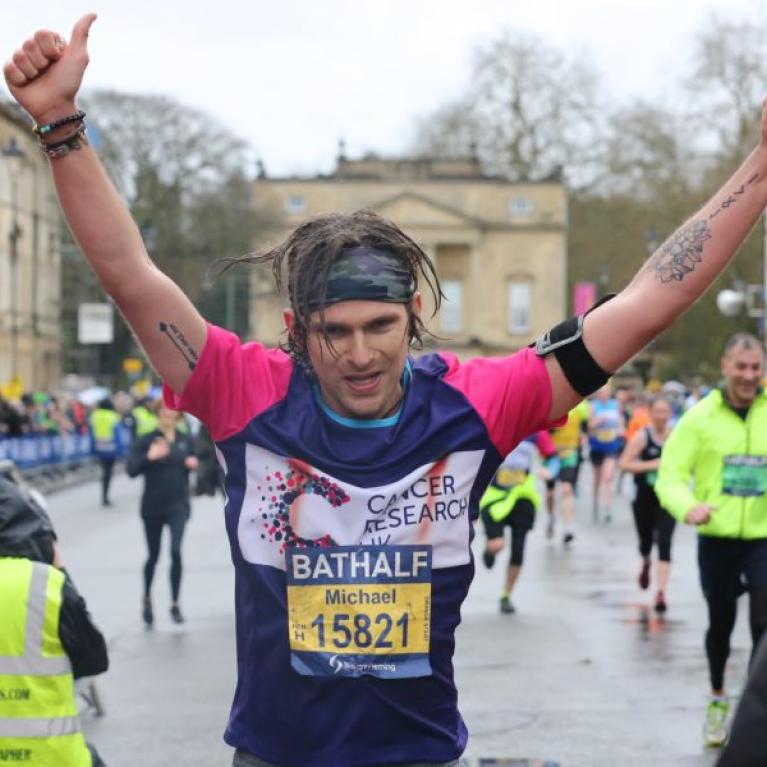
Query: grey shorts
x=241, y=759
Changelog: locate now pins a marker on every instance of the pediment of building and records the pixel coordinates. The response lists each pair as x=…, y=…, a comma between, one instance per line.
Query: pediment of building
x=414, y=210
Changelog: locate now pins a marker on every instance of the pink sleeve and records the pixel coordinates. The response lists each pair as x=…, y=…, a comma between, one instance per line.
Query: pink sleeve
x=545, y=444
x=511, y=394
x=232, y=383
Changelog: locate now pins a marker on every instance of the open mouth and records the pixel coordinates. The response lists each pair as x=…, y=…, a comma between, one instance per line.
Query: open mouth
x=363, y=384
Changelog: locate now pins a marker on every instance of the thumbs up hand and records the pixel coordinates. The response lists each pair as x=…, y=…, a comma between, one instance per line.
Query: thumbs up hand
x=45, y=74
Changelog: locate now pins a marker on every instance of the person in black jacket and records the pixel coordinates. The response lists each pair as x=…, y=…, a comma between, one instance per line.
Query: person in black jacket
x=165, y=457
x=26, y=532
x=747, y=743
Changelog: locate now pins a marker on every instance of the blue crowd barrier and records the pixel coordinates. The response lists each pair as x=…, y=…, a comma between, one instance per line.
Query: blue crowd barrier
x=39, y=450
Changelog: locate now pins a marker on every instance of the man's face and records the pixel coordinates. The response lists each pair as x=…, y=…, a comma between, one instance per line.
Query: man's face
x=742, y=368
x=359, y=366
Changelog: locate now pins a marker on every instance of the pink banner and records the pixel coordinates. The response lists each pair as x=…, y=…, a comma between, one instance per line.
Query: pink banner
x=584, y=296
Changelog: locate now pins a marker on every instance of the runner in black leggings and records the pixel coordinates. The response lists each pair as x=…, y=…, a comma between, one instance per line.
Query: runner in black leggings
x=165, y=458
x=641, y=457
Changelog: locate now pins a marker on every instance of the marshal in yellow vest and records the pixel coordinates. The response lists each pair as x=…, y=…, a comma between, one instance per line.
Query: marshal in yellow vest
x=39, y=725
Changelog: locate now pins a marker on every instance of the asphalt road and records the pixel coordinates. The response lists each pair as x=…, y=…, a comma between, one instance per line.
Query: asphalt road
x=584, y=674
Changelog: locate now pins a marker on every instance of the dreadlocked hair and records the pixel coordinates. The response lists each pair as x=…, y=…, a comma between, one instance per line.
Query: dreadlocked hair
x=302, y=264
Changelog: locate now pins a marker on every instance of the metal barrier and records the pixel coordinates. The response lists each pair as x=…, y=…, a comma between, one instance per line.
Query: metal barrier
x=41, y=451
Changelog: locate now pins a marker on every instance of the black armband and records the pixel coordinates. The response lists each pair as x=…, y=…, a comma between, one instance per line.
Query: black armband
x=565, y=341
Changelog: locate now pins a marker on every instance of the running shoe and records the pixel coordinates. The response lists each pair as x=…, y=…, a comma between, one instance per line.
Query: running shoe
x=660, y=603
x=715, y=725
x=175, y=614
x=146, y=612
x=644, y=575
x=506, y=607
x=488, y=558
x=568, y=538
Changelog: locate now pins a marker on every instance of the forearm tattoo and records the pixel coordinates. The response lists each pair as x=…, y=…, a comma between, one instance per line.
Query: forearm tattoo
x=678, y=256
x=178, y=339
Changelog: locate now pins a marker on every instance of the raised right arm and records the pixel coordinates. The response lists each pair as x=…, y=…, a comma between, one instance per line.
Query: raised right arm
x=44, y=76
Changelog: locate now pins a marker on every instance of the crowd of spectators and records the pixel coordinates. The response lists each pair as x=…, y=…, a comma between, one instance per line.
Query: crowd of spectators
x=42, y=413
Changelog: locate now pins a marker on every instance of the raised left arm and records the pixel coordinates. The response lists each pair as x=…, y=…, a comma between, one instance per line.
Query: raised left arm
x=674, y=277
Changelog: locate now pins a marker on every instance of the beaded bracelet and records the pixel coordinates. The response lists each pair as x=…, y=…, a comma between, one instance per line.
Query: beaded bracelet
x=42, y=130
x=71, y=143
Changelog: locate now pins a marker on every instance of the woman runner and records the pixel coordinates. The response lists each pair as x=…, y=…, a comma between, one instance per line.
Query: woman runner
x=641, y=457
x=165, y=457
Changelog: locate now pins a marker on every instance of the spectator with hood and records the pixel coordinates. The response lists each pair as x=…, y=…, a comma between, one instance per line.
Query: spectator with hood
x=47, y=641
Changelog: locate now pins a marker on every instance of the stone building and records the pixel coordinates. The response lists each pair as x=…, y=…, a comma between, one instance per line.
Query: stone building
x=30, y=259
x=500, y=248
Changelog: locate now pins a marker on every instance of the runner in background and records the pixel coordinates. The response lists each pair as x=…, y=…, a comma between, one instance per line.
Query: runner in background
x=567, y=440
x=606, y=428
x=641, y=457
x=640, y=416
x=511, y=500
x=104, y=422
x=713, y=475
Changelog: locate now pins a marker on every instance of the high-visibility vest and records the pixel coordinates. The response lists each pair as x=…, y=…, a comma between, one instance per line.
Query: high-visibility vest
x=146, y=421
x=103, y=425
x=39, y=725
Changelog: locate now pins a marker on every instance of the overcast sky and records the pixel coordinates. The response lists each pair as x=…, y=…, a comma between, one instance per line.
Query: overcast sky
x=292, y=77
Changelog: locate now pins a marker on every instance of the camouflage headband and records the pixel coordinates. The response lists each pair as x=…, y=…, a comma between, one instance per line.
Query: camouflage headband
x=365, y=274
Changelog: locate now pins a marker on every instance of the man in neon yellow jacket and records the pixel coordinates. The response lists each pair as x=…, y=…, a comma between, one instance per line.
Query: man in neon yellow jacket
x=713, y=474
x=47, y=639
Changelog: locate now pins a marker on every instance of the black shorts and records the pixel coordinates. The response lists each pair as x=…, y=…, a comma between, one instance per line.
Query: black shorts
x=521, y=520
x=567, y=474
x=597, y=458
x=729, y=566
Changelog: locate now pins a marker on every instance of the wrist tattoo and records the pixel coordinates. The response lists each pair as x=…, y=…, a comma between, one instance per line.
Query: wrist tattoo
x=677, y=257
x=178, y=339
x=733, y=198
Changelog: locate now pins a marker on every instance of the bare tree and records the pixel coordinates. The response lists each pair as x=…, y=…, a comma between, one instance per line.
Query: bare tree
x=528, y=111
x=186, y=179
x=726, y=84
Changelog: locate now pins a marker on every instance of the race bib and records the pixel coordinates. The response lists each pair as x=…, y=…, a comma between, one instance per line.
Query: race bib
x=568, y=460
x=606, y=435
x=744, y=475
x=355, y=611
x=506, y=478
x=651, y=478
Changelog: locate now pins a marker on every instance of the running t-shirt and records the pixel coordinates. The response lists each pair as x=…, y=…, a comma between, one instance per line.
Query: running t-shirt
x=385, y=507
x=645, y=481
x=517, y=465
x=606, y=435
x=567, y=437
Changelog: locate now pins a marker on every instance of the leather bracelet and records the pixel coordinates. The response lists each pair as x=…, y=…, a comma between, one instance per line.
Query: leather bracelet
x=42, y=130
x=62, y=148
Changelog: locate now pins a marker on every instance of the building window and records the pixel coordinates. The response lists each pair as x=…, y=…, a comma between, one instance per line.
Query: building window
x=519, y=308
x=521, y=207
x=451, y=314
x=295, y=204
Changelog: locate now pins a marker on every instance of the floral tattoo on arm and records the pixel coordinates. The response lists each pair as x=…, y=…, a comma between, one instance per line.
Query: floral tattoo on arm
x=677, y=257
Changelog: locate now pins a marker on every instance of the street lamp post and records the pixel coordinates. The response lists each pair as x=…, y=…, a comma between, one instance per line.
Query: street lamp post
x=753, y=298
x=13, y=154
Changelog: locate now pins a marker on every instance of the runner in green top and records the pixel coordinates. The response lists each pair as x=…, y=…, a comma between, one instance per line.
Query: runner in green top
x=713, y=474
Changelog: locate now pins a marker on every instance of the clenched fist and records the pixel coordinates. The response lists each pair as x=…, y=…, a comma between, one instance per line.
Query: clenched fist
x=45, y=74
x=699, y=514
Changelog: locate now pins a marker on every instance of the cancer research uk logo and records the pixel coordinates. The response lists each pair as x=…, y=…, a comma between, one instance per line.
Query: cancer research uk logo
x=290, y=504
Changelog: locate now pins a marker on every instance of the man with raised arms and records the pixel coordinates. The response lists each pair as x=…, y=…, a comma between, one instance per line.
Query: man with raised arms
x=309, y=433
